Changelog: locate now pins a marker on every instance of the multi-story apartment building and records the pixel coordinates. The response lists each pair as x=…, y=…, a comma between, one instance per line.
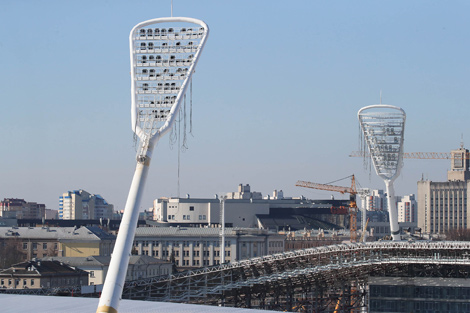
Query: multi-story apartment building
x=79, y=204
x=443, y=206
x=192, y=247
x=38, y=242
x=376, y=201
x=407, y=209
x=19, y=208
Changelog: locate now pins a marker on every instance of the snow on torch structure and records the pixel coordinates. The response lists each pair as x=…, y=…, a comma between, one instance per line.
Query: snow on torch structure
x=164, y=53
x=383, y=129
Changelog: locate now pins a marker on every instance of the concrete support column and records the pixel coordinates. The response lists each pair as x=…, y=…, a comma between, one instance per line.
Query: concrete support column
x=139, y=248
x=151, y=248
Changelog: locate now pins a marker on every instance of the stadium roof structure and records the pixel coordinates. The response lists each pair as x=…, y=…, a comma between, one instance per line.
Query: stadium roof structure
x=49, y=304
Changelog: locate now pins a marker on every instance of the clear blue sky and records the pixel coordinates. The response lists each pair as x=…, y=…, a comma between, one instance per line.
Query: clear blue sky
x=276, y=94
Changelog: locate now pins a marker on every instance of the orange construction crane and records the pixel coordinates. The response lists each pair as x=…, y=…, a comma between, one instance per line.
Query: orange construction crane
x=352, y=200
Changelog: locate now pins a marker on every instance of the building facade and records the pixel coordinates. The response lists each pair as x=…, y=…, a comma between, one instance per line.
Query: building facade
x=80, y=204
x=376, y=201
x=39, y=242
x=407, y=209
x=193, y=247
x=19, y=208
x=36, y=274
x=443, y=206
x=418, y=294
x=140, y=266
x=241, y=208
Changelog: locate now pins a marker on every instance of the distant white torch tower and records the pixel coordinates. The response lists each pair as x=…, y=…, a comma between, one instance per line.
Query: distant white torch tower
x=164, y=53
x=383, y=129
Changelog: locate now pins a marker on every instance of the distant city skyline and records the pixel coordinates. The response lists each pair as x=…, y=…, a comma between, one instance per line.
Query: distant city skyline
x=275, y=95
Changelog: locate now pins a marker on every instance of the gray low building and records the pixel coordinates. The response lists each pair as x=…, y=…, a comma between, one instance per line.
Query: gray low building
x=42, y=274
x=140, y=266
x=38, y=242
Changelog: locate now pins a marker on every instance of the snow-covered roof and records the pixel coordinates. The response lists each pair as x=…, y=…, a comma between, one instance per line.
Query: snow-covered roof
x=59, y=233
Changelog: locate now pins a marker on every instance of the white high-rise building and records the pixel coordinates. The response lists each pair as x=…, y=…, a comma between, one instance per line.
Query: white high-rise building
x=81, y=205
x=407, y=209
x=376, y=201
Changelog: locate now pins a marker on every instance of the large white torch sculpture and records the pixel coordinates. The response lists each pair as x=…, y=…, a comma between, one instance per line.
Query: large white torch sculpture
x=383, y=129
x=164, y=53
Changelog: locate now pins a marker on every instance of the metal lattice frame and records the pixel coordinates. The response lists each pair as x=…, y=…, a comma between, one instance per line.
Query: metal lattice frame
x=317, y=279
x=383, y=127
x=326, y=273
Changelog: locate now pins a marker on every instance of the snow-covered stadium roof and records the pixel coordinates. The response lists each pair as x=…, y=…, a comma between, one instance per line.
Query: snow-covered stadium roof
x=49, y=304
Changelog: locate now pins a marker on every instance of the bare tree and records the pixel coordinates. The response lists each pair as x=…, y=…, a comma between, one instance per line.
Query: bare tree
x=174, y=268
x=10, y=252
x=460, y=234
x=51, y=251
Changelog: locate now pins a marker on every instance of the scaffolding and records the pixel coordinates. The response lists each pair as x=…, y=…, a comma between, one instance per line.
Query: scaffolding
x=315, y=280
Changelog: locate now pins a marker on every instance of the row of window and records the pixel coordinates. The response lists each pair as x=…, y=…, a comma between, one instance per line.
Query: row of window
x=434, y=292
x=196, y=253
x=451, y=216
x=146, y=243
x=44, y=245
x=166, y=254
x=380, y=305
x=434, y=227
x=17, y=282
x=11, y=282
x=188, y=217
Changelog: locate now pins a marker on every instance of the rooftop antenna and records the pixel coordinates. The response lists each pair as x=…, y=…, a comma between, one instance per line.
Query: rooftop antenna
x=461, y=141
x=383, y=128
x=171, y=8
x=164, y=53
